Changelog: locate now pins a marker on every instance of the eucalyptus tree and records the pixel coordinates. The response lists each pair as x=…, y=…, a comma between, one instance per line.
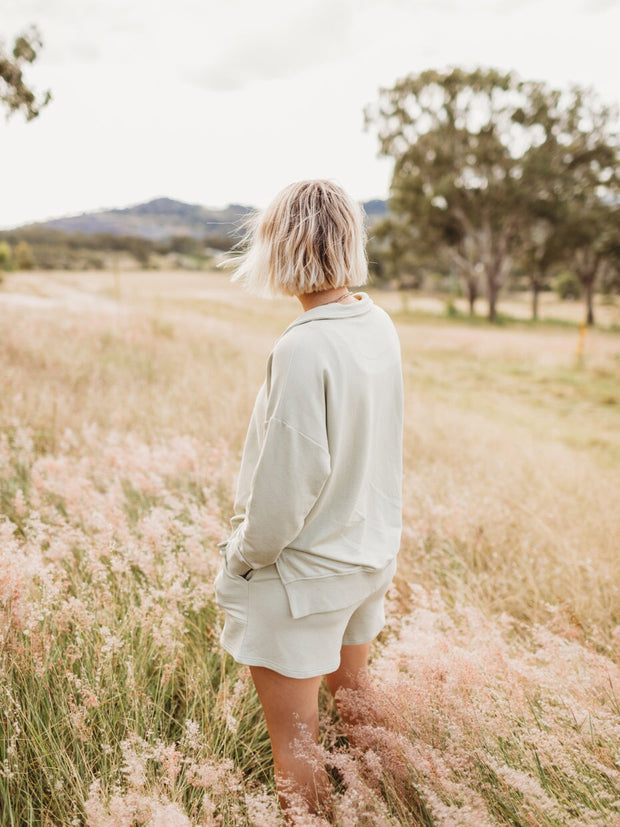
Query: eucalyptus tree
x=15, y=93
x=591, y=188
x=458, y=139
x=542, y=237
x=542, y=250
x=593, y=239
x=571, y=185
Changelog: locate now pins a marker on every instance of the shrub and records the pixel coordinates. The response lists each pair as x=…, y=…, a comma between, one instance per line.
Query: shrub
x=24, y=258
x=6, y=256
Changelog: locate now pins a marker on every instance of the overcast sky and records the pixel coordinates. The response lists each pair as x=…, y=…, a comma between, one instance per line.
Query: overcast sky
x=219, y=101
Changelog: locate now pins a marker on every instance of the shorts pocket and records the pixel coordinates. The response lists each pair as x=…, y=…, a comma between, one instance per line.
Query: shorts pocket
x=231, y=593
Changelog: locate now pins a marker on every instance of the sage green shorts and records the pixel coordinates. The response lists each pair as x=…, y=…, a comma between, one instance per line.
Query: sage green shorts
x=259, y=629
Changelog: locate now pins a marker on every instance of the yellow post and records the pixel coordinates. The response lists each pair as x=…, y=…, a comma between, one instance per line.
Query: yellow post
x=581, y=341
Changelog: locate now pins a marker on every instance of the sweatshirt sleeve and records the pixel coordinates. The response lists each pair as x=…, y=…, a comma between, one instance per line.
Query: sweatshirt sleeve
x=292, y=466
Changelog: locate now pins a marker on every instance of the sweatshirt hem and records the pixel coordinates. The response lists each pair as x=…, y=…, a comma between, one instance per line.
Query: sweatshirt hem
x=315, y=595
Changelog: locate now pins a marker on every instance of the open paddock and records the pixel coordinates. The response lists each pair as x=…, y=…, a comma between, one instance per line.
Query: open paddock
x=495, y=697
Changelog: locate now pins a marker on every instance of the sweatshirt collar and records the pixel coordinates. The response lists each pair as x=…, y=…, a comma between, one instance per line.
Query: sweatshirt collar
x=333, y=310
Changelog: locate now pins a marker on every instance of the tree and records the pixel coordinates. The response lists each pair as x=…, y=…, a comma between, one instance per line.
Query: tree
x=458, y=139
x=544, y=208
x=15, y=94
x=489, y=169
x=593, y=239
x=471, y=269
x=570, y=182
x=542, y=250
x=593, y=191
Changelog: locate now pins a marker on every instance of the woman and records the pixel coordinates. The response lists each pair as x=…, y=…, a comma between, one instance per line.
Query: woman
x=317, y=516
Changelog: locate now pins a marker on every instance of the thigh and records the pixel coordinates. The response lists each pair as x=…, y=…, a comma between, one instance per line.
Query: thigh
x=353, y=663
x=288, y=703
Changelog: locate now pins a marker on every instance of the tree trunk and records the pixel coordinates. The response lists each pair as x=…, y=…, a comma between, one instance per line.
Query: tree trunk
x=472, y=295
x=589, y=303
x=588, y=265
x=537, y=279
x=492, y=291
x=535, y=294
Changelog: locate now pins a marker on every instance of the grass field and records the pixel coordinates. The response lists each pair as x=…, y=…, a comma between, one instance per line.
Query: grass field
x=496, y=685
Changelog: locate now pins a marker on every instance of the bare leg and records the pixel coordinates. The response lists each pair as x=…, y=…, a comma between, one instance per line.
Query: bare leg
x=353, y=665
x=287, y=703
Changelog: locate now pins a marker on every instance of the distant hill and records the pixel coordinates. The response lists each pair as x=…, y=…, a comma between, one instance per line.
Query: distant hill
x=157, y=220
x=375, y=209
x=164, y=218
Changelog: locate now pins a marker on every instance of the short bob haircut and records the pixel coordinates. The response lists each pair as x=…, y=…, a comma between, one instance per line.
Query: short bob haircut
x=310, y=238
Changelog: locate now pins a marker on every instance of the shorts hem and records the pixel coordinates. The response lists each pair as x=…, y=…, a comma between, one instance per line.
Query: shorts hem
x=356, y=642
x=352, y=640
x=287, y=673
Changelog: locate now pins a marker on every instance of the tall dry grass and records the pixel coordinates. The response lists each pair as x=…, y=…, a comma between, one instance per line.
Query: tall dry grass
x=494, y=692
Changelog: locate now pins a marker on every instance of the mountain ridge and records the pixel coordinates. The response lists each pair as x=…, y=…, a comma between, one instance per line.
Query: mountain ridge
x=163, y=218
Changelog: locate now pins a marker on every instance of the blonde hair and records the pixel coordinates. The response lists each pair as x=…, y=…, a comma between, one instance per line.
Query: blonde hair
x=310, y=238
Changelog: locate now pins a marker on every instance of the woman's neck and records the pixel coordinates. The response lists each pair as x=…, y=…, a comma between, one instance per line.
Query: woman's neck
x=331, y=296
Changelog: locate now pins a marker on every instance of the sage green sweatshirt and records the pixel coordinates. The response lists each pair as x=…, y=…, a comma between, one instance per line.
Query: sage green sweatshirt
x=319, y=489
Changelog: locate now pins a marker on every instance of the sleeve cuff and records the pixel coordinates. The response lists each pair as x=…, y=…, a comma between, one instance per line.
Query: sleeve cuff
x=235, y=562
